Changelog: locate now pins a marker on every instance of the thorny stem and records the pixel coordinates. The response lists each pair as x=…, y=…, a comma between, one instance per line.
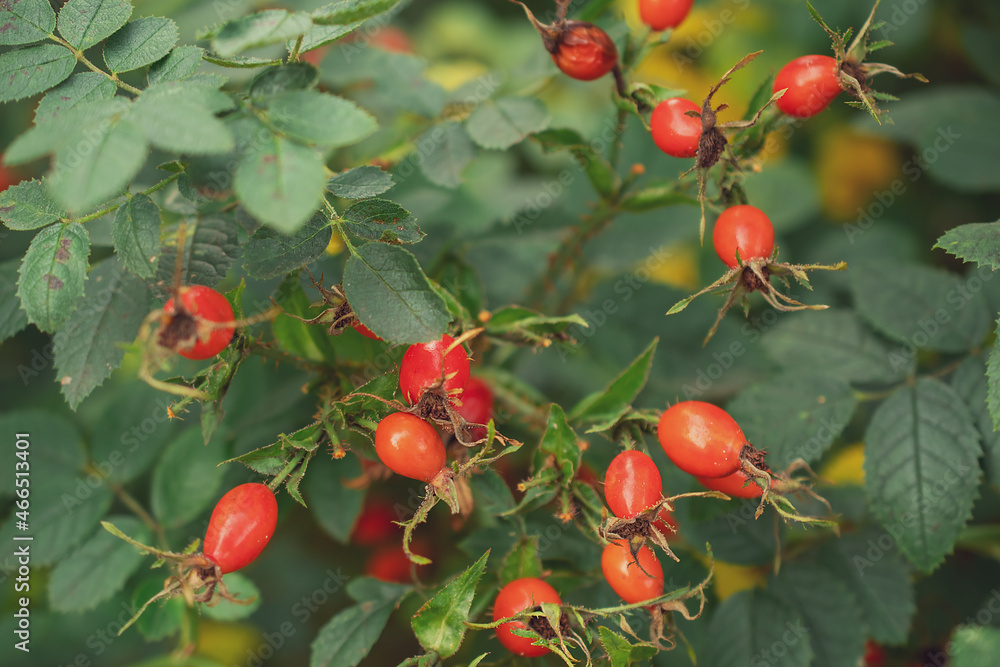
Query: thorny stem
x=286, y=471
x=295, y=50
x=78, y=54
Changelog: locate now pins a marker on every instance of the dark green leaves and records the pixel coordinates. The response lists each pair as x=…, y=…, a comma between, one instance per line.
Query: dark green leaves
x=382, y=220
x=794, y=416
x=12, y=318
x=360, y=182
x=186, y=478
x=977, y=242
x=447, y=151
x=26, y=21
x=922, y=469
x=274, y=81
x=80, y=88
x=320, y=119
x=925, y=307
x=52, y=274
x=272, y=26
x=440, y=623
x=974, y=646
x=390, y=293
x=136, y=232
x=560, y=441
x=27, y=205
x=98, y=569
x=970, y=382
x=86, y=22
x=602, y=410
x=140, y=43
x=26, y=72
x=347, y=637
x=755, y=623
x=506, y=121
x=90, y=345
x=621, y=652
x=344, y=12
x=836, y=343
x=180, y=117
x=179, y=64
x=270, y=254
x=281, y=183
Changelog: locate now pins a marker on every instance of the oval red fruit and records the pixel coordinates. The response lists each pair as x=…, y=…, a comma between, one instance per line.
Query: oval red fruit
x=663, y=14
x=477, y=406
x=409, y=446
x=584, y=52
x=365, y=331
x=632, y=484
x=518, y=595
x=811, y=83
x=701, y=439
x=674, y=132
x=207, y=307
x=634, y=579
x=421, y=369
x=746, y=228
x=241, y=525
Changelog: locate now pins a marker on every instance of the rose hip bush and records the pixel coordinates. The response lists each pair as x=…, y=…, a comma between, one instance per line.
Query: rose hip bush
x=365, y=332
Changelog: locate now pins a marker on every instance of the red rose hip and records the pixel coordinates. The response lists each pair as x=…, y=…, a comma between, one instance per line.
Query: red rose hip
x=241, y=525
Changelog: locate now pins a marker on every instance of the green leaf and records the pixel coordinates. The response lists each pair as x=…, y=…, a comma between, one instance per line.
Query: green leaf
x=83, y=123
x=84, y=23
x=970, y=382
x=501, y=123
x=382, y=220
x=321, y=35
x=603, y=409
x=977, y=242
x=186, y=479
x=348, y=11
x=397, y=78
x=836, y=343
x=241, y=62
x=177, y=65
x=140, y=43
x=794, y=415
x=829, y=613
x=446, y=151
x=180, y=117
x=656, y=195
x=78, y=89
x=90, y=345
x=240, y=587
x=80, y=180
x=517, y=323
x=346, y=638
x=280, y=79
x=52, y=274
x=25, y=22
x=599, y=171
x=268, y=460
x=12, y=318
x=321, y=119
x=306, y=340
x=270, y=254
x=27, y=205
x=32, y=70
x=922, y=306
x=880, y=582
x=440, y=623
x=161, y=619
x=334, y=506
x=210, y=246
x=756, y=623
x=272, y=26
x=98, y=569
x=281, y=183
x=560, y=441
x=974, y=646
x=922, y=469
x=522, y=561
x=136, y=232
x=491, y=492
x=390, y=293
x=360, y=182
x=621, y=652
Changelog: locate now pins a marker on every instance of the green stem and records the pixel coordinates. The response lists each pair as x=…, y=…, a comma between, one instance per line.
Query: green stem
x=295, y=50
x=129, y=501
x=78, y=54
x=336, y=221
x=286, y=471
x=616, y=142
x=114, y=207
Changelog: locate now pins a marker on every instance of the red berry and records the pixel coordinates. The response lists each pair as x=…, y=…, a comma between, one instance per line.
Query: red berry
x=701, y=439
x=409, y=446
x=584, y=51
x=517, y=596
x=663, y=14
x=242, y=524
x=375, y=524
x=674, y=132
x=364, y=331
x=421, y=368
x=734, y=485
x=7, y=177
x=634, y=579
x=746, y=228
x=632, y=484
x=477, y=406
x=811, y=83
x=206, y=307
x=874, y=655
